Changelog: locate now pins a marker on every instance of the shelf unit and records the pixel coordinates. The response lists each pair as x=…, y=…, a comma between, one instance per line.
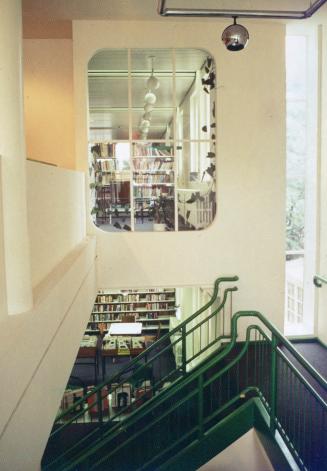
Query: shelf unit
x=153, y=307
x=144, y=187
x=112, y=184
x=153, y=168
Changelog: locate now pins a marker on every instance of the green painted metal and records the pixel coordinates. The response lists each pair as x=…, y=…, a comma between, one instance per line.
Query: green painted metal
x=200, y=406
x=73, y=417
x=208, y=399
x=273, y=383
x=227, y=431
x=319, y=281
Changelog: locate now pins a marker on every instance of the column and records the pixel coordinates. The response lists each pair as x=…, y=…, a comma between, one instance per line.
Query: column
x=12, y=151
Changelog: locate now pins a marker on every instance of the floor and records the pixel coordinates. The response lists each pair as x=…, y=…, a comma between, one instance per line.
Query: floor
x=315, y=353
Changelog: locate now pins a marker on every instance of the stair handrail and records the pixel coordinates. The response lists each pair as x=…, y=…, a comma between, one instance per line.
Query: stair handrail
x=319, y=280
x=146, y=352
x=169, y=394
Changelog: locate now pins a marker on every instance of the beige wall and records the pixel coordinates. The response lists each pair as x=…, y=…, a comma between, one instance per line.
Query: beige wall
x=3, y=288
x=48, y=101
x=38, y=347
x=247, y=237
x=246, y=454
x=37, y=351
x=12, y=151
x=56, y=215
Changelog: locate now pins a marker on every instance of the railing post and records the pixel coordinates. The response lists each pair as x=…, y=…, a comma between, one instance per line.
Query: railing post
x=273, y=383
x=200, y=406
x=184, y=349
x=99, y=402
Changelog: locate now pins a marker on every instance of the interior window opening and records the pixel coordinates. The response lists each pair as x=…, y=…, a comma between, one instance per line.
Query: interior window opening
x=301, y=125
x=151, y=139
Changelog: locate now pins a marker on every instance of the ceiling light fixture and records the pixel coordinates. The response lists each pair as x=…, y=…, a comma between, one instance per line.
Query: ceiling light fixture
x=235, y=37
x=152, y=82
x=150, y=98
x=313, y=6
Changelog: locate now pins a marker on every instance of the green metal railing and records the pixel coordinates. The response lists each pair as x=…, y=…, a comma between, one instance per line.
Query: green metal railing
x=319, y=280
x=189, y=342
x=265, y=365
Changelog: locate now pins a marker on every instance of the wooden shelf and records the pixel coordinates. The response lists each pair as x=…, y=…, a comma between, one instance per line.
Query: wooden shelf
x=127, y=292
x=140, y=310
x=133, y=310
x=139, y=301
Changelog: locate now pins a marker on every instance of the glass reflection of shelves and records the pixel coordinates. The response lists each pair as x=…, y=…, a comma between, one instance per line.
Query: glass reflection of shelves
x=151, y=184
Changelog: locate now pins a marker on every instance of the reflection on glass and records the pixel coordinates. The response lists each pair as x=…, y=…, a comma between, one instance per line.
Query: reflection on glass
x=110, y=189
x=152, y=139
x=196, y=191
x=154, y=186
x=152, y=93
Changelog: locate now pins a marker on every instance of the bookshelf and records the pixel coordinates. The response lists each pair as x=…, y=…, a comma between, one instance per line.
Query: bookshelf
x=154, y=182
x=111, y=183
x=152, y=307
x=139, y=186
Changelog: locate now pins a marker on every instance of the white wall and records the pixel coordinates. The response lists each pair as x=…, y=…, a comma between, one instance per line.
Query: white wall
x=48, y=101
x=3, y=289
x=56, y=215
x=38, y=347
x=246, y=453
x=12, y=150
x=37, y=351
x=247, y=238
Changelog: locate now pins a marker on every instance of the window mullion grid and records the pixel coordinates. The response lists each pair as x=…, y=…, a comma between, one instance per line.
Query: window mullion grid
x=175, y=163
x=129, y=62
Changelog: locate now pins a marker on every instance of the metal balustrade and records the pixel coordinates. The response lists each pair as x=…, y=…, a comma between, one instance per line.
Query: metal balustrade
x=264, y=366
x=194, y=338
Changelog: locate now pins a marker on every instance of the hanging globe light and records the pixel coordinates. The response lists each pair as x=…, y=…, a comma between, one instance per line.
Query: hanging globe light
x=148, y=107
x=152, y=82
x=150, y=98
x=235, y=37
x=147, y=115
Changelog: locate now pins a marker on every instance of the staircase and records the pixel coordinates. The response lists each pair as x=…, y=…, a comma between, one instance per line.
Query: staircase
x=214, y=395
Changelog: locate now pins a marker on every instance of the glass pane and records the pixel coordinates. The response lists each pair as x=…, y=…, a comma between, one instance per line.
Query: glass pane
x=196, y=191
x=153, y=186
x=110, y=186
x=139, y=180
x=152, y=94
x=108, y=95
x=195, y=93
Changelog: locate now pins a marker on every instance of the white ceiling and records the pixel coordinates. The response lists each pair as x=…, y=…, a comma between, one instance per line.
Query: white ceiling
x=108, y=87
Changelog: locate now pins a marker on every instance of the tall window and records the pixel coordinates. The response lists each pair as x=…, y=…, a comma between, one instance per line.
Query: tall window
x=301, y=96
x=151, y=140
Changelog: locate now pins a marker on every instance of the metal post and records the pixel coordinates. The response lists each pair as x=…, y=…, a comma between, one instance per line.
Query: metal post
x=184, y=349
x=99, y=403
x=200, y=405
x=273, y=383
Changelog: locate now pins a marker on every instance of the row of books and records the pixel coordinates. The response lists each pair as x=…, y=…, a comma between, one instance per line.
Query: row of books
x=153, y=192
x=158, y=178
x=152, y=150
x=107, y=316
x=130, y=307
x=104, y=150
x=154, y=164
x=109, y=298
x=105, y=166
